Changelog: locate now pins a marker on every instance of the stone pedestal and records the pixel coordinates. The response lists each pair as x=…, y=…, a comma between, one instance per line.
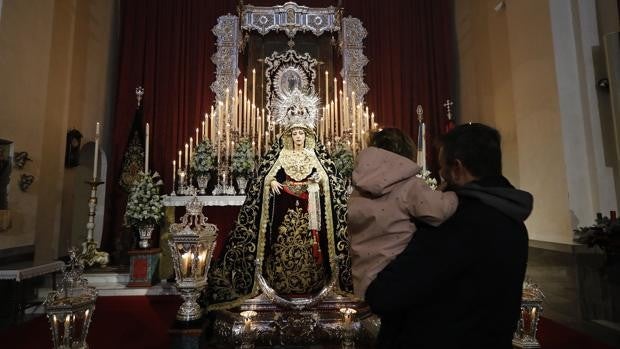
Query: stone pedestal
x=143, y=267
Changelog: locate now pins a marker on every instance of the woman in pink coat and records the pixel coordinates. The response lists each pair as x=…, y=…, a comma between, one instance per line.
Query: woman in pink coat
x=386, y=196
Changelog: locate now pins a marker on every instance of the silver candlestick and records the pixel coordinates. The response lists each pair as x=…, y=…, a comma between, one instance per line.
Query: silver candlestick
x=90, y=256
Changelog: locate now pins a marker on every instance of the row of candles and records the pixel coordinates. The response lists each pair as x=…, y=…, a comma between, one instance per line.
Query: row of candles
x=343, y=118
x=330, y=127
x=344, y=114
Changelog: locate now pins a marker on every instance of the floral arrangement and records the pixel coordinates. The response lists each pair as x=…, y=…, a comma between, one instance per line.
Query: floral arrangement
x=343, y=159
x=425, y=175
x=204, y=159
x=242, y=163
x=605, y=233
x=145, y=205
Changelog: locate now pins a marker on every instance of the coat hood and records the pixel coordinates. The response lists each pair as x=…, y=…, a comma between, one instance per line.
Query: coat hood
x=499, y=193
x=378, y=170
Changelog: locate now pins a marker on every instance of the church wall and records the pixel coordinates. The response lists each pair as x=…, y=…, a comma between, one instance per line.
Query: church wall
x=508, y=80
x=58, y=72
x=530, y=68
x=579, y=59
x=22, y=95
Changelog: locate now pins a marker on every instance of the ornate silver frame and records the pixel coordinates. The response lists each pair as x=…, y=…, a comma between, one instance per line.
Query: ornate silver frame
x=226, y=57
x=282, y=63
x=290, y=18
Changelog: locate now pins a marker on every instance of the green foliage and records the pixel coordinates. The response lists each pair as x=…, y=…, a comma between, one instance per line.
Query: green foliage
x=243, y=158
x=604, y=234
x=145, y=205
x=343, y=159
x=204, y=159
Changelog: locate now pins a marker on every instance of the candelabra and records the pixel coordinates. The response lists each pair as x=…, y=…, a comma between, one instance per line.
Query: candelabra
x=191, y=247
x=90, y=256
x=224, y=182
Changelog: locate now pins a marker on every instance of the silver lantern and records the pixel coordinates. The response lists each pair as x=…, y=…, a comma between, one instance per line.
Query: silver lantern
x=191, y=246
x=70, y=308
x=531, y=310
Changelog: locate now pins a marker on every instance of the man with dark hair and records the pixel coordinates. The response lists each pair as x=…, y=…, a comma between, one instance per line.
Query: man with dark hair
x=459, y=285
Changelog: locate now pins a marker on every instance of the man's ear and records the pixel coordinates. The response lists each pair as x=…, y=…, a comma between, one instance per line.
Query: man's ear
x=461, y=173
x=457, y=169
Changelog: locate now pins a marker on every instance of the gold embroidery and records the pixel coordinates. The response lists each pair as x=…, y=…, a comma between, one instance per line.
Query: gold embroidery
x=297, y=164
x=290, y=267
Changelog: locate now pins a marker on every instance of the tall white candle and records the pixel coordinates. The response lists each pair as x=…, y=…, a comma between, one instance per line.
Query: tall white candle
x=186, y=155
x=197, y=139
x=326, y=87
x=191, y=148
x=336, y=104
x=245, y=105
x=180, y=153
x=258, y=133
x=423, y=147
x=232, y=148
x=253, y=86
x=239, y=111
x=174, y=173
x=353, y=109
x=212, y=127
x=146, y=152
x=341, y=122
x=219, y=133
x=212, y=124
x=227, y=141
x=96, y=162
x=226, y=103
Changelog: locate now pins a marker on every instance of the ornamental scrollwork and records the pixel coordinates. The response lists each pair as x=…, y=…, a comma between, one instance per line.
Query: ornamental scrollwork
x=290, y=18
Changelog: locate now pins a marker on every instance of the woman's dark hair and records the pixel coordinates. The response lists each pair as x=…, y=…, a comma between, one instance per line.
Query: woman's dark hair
x=394, y=140
x=477, y=146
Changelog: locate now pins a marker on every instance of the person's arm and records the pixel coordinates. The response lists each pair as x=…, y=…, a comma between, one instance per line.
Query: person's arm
x=433, y=258
x=275, y=182
x=430, y=206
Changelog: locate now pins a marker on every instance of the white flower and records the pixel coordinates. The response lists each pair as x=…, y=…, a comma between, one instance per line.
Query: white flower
x=426, y=176
x=204, y=159
x=144, y=205
x=243, y=158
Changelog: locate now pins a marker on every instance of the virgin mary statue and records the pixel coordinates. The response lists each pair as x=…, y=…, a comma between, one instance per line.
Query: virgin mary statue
x=291, y=230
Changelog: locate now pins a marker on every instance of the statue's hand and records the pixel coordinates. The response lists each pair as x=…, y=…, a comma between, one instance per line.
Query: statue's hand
x=315, y=177
x=276, y=187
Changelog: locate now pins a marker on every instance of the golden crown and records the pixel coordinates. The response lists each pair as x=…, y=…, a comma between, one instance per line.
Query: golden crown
x=296, y=108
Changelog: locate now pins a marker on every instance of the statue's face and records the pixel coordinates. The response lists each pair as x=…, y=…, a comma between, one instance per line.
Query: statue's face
x=299, y=137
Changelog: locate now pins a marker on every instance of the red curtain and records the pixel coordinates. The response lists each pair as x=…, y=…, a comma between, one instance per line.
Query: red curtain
x=166, y=47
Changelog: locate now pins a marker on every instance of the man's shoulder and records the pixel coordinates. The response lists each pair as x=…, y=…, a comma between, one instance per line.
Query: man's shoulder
x=473, y=216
